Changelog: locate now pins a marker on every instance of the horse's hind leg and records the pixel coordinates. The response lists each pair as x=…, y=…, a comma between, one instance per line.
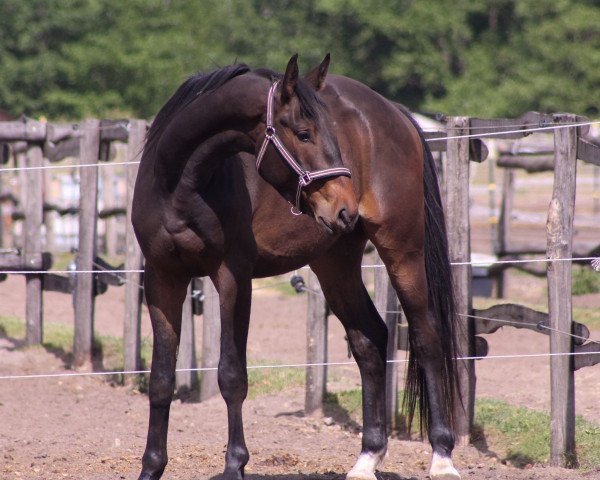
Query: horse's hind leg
x=339, y=274
x=430, y=370
x=235, y=290
x=165, y=298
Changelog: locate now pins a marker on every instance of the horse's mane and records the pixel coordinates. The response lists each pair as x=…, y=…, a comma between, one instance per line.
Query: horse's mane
x=311, y=105
x=192, y=87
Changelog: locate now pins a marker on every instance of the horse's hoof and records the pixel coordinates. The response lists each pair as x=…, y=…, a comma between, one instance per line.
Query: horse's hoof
x=233, y=474
x=445, y=476
x=364, y=468
x=442, y=469
x=360, y=476
x=148, y=476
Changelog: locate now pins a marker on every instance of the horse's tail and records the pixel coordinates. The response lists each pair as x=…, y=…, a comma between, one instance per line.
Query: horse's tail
x=441, y=303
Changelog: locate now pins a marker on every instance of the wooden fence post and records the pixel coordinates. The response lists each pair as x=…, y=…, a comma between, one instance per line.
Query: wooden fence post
x=32, y=243
x=88, y=216
x=560, y=246
x=211, y=340
x=133, y=259
x=458, y=227
x=386, y=302
x=108, y=197
x=186, y=381
x=504, y=224
x=316, y=348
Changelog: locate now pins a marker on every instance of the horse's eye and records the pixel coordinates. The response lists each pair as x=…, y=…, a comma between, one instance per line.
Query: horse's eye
x=303, y=136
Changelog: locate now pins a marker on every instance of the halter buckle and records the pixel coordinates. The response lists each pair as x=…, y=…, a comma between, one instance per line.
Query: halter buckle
x=305, y=179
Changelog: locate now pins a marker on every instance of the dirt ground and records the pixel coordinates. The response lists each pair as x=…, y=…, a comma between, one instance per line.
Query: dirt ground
x=82, y=427
x=85, y=428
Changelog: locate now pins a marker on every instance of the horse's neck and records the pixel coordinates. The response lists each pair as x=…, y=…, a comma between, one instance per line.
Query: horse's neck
x=211, y=128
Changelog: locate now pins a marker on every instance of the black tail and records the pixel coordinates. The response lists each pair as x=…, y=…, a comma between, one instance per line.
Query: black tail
x=441, y=302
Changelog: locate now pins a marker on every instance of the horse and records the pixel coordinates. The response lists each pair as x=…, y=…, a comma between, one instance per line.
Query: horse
x=223, y=160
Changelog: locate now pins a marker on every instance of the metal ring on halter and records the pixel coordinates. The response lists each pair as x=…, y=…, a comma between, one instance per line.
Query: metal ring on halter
x=296, y=213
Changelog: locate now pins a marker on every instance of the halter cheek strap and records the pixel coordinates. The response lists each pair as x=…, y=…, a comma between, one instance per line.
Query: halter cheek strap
x=305, y=177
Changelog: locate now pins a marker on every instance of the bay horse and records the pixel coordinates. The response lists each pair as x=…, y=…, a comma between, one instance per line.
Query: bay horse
x=355, y=167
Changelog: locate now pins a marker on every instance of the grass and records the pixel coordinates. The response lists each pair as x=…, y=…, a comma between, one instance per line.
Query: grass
x=585, y=280
x=280, y=284
x=266, y=381
x=58, y=339
x=517, y=435
x=524, y=435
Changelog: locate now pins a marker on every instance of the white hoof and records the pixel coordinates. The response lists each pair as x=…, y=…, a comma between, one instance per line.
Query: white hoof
x=442, y=468
x=360, y=476
x=365, y=466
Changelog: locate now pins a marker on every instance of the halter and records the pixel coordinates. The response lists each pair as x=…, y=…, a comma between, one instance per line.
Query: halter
x=305, y=177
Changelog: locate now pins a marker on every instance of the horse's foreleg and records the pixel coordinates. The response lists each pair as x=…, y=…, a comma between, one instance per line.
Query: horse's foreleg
x=340, y=276
x=165, y=298
x=235, y=292
x=407, y=273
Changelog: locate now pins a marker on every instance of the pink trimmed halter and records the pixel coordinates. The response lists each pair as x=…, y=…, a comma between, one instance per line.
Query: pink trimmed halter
x=305, y=177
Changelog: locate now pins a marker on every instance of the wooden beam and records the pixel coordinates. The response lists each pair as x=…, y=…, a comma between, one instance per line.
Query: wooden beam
x=588, y=152
x=32, y=252
x=529, y=163
x=560, y=301
x=84, y=293
x=587, y=355
x=186, y=381
x=386, y=302
x=55, y=152
x=59, y=132
x=22, y=130
x=437, y=142
x=458, y=228
x=211, y=340
x=53, y=282
x=483, y=127
x=316, y=346
x=519, y=316
x=17, y=261
x=133, y=257
x=115, y=130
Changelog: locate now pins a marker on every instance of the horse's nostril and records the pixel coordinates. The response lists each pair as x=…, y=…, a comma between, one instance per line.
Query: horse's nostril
x=344, y=217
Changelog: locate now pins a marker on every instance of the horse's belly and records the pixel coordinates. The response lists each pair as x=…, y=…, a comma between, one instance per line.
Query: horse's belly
x=285, y=250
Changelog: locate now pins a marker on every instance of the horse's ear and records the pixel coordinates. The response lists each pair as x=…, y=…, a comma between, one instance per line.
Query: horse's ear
x=317, y=76
x=290, y=79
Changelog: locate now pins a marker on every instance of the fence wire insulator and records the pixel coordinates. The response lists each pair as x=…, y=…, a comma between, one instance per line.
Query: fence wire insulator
x=297, y=282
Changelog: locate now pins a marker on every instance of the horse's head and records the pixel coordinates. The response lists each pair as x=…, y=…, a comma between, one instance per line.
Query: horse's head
x=299, y=154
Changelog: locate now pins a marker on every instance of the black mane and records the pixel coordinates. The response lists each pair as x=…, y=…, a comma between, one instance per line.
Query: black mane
x=311, y=106
x=193, y=86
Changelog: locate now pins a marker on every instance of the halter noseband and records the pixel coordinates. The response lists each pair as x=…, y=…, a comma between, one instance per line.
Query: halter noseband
x=305, y=177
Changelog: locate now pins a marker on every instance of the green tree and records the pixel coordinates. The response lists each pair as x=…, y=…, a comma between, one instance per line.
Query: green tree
x=72, y=58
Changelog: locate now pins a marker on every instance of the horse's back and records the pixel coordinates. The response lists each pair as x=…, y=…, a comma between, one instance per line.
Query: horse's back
x=384, y=150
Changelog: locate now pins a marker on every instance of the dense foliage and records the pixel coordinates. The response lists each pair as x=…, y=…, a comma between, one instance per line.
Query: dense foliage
x=71, y=58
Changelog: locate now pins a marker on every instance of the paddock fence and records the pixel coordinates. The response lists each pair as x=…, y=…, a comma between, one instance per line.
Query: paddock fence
x=34, y=149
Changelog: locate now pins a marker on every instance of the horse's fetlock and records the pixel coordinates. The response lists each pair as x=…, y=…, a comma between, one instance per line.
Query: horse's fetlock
x=374, y=440
x=154, y=463
x=442, y=441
